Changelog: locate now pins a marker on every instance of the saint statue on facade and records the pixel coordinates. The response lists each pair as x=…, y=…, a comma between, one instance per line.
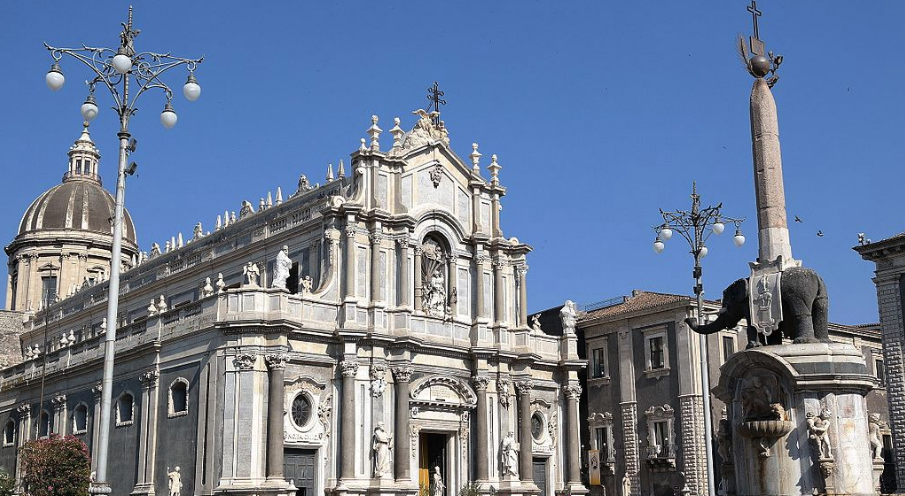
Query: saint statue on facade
x=174, y=482
x=281, y=268
x=626, y=485
x=568, y=315
x=437, y=485
x=381, y=446
x=436, y=294
x=509, y=453
x=251, y=273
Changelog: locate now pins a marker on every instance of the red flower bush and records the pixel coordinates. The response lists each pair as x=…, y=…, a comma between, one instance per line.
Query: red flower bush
x=55, y=466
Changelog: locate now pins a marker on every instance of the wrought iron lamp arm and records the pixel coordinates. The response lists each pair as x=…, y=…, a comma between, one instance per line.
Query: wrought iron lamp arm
x=102, y=67
x=148, y=74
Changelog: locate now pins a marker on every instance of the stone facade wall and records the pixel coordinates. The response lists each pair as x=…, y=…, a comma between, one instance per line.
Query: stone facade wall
x=11, y=327
x=695, y=462
x=890, y=301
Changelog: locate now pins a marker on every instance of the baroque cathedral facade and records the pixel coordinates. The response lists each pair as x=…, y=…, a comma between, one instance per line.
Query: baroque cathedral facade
x=364, y=336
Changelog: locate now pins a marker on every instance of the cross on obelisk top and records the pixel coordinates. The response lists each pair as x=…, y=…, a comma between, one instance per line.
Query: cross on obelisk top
x=757, y=46
x=434, y=94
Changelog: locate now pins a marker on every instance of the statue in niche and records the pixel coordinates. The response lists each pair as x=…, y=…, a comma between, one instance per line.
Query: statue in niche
x=437, y=485
x=281, y=268
x=758, y=402
x=626, y=485
x=434, y=279
x=174, y=482
x=509, y=453
x=873, y=429
x=381, y=446
x=818, y=433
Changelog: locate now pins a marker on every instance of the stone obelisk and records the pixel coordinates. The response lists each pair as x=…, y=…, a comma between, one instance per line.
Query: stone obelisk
x=773, y=227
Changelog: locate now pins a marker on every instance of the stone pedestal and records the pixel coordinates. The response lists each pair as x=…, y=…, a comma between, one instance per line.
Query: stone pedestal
x=797, y=420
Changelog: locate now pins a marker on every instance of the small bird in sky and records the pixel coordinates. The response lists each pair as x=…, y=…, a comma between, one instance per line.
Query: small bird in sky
x=819, y=234
x=798, y=219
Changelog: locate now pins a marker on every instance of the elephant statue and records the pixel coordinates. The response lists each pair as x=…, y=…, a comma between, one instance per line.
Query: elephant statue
x=804, y=308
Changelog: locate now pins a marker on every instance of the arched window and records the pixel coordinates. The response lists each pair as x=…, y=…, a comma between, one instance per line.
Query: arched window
x=434, y=274
x=80, y=419
x=44, y=427
x=125, y=409
x=9, y=433
x=179, y=398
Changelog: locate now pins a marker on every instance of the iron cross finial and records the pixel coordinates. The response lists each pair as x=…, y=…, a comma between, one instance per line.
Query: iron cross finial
x=754, y=15
x=434, y=94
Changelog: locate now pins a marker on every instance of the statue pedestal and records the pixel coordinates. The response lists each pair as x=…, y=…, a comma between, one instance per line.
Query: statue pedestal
x=798, y=420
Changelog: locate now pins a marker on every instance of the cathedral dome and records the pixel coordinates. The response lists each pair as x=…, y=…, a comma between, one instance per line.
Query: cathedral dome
x=80, y=203
x=77, y=204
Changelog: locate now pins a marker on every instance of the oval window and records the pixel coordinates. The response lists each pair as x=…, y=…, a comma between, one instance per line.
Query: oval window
x=537, y=426
x=301, y=410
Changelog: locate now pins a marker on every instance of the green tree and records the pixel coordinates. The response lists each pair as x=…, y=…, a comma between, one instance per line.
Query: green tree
x=7, y=484
x=55, y=466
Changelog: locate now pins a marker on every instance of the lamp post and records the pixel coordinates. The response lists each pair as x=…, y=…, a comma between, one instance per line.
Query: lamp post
x=696, y=226
x=116, y=69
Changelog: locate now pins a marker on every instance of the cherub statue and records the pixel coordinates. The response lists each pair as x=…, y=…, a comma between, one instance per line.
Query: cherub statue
x=818, y=427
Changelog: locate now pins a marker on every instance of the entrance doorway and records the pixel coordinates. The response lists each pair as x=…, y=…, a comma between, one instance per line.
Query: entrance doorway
x=539, y=471
x=299, y=465
x=433, y=454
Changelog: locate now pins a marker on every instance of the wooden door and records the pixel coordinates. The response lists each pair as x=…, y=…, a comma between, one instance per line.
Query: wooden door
x=299, y=465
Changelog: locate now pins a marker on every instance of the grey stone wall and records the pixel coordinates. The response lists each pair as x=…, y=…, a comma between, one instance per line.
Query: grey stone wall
x=177, y=435
x=123, y=450
x=10, y=345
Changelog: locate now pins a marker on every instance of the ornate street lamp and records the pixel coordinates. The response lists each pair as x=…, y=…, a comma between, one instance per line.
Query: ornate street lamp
x=696, y=226
x=117, y=70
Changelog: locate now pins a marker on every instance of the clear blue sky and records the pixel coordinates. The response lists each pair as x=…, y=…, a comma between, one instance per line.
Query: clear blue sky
x=600, y=112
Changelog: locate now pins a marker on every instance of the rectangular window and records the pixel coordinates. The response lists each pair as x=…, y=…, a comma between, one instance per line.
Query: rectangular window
x=880, y=371
x=656, y=353
x=599, y=363
x=49, y=289
x=661, y=435
x=728, y=347
x=603, y=442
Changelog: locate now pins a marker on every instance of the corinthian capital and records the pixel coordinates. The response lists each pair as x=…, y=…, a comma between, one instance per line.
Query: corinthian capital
x=349, y=368
x=572, y=391
x=481, y=382
x=403, y=373
x=276, y=361
x=524, y=387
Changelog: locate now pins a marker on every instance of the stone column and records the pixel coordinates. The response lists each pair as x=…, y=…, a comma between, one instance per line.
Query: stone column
x=59, y=414
x=376, y=237
x=773, y=229
x=523, y=295
x=479, y=283
x=404, y=276
x=499, y=305
x=402, y=451
x=275, y=401
x=495, y=213
x=573, y=393
x=347, y=421
x=350, y=261
x=416, y=271
x=523, y=388
x=482, y=465
x=146, y=446
x=98, y=390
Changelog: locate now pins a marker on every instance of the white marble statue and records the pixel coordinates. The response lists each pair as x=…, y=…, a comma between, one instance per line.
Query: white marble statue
x=251, y=273
x=174, y=482
x=307, y=283
x=436, y=294
x=535, y=322
x=818, y=428
x=281, y=268
x=568, y=315
x=221, y=284
x=381, y=444
x=155, y=250
x=876, y=444
x=207, y=288
x=626, y=485
x=437, y=485
x=509, y=453
x=161, y=304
